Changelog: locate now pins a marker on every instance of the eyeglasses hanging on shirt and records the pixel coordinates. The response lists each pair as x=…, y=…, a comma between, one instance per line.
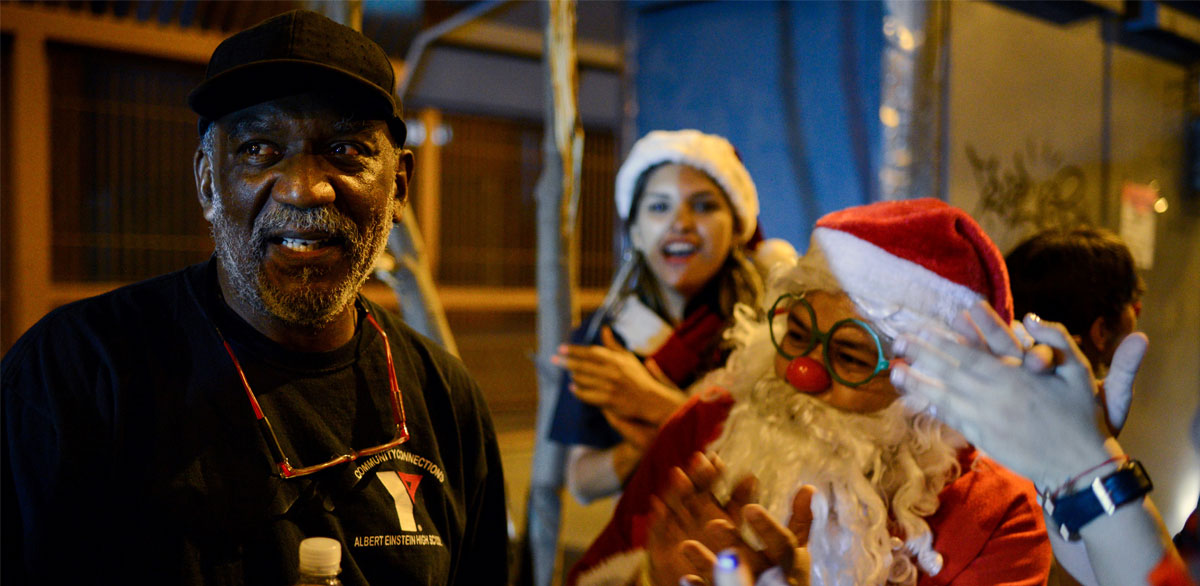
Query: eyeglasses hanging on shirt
x=283, y=465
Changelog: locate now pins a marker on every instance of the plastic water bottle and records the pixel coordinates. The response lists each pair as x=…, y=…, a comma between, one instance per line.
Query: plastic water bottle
x=320, y=562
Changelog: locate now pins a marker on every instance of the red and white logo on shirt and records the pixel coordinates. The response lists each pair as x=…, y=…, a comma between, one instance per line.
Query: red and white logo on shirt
x=403, y=488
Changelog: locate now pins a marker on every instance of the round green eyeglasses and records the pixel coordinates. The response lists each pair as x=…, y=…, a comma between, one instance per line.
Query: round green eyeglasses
x=853, y=353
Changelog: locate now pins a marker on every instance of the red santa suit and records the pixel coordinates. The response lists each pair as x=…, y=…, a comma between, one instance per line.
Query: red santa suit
x=988, y=526
x=1170, y=572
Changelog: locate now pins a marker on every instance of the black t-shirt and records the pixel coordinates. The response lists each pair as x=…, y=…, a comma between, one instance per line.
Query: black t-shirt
x=132, y=453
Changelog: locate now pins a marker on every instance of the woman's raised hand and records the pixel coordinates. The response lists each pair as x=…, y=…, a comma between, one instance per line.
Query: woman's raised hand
x=1013, y=410
x=612, y=378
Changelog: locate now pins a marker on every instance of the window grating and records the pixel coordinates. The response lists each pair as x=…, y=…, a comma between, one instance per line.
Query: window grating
x=488, y=206
x=123, y=195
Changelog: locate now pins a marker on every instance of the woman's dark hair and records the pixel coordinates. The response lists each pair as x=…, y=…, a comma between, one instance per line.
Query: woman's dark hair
x=737, y=281
x=1073, y=276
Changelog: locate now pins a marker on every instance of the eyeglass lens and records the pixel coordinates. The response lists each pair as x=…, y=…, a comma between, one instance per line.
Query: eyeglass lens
x=849, y=348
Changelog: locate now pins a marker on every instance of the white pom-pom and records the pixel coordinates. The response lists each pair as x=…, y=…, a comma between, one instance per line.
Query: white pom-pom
x=771, y=252
x=930, y=561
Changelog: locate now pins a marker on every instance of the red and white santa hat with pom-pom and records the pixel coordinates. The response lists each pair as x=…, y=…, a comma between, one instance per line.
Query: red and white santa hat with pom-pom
x=922, y=255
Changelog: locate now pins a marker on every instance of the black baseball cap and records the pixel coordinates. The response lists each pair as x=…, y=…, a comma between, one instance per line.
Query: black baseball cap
x=293, y=53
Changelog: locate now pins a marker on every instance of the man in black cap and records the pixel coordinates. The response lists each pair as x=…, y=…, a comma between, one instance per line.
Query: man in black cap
x=194, y=428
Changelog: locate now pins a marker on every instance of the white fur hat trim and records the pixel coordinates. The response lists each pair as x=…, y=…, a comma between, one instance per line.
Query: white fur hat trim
x=707, y=152
x=868, y=272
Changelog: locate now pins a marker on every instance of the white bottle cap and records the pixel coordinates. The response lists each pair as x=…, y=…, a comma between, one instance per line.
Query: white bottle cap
x=320, y=556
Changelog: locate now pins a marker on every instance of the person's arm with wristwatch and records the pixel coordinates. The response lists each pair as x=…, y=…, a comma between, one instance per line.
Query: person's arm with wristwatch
x=1038, y=416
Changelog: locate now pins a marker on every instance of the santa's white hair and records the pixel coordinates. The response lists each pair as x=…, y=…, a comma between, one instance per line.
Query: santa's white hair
x=876, y=473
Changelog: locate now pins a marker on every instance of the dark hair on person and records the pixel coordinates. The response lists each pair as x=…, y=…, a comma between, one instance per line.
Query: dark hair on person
x=737, y=281
x=1073, y=276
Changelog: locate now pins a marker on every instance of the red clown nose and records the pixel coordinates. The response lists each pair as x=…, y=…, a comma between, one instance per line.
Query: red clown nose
x=808, y=375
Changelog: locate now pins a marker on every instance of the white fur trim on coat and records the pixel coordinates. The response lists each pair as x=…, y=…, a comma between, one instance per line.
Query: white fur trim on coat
x=617, y=570
x=642, y=330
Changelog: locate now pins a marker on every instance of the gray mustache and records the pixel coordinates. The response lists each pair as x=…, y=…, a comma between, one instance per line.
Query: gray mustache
x=325, y=219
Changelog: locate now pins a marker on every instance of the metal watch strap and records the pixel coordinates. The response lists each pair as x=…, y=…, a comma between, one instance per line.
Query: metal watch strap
x=1102, y=497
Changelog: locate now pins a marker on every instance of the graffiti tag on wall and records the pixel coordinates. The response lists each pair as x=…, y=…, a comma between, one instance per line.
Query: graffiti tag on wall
x=1017, y=198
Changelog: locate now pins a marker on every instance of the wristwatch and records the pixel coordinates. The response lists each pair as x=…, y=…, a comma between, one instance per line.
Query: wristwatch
x=1103, y=496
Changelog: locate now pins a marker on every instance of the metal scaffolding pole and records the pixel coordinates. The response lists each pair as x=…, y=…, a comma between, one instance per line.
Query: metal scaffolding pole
x=557, y=268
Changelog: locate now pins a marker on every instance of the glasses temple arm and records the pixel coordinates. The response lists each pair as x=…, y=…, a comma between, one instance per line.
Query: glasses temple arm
x=397, y=403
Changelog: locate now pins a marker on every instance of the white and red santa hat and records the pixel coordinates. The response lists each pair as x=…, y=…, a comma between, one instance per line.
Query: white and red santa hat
x=709, y=153
x=922, y=257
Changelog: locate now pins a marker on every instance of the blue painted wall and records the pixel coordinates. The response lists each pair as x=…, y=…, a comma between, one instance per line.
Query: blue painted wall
x=795, y=86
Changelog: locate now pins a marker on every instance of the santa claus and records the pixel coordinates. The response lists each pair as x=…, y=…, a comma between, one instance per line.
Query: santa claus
x=805, y=401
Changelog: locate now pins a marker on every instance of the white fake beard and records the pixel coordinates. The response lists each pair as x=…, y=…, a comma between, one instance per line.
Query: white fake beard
x=857, y=462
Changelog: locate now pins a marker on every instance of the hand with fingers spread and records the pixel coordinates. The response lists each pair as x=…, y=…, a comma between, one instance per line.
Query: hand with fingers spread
x=1012, y=343
x=785, y=548
x=1012, y=410
x=688, y=525
x=1046, y=419
x=615, y=380
x=982, y=328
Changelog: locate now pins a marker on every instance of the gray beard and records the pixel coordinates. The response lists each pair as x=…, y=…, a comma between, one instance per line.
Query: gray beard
x=303, y=306
x=786, y=439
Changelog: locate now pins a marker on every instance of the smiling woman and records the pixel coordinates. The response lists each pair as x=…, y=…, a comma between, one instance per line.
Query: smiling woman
x=683, y=225
x=690, y=211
